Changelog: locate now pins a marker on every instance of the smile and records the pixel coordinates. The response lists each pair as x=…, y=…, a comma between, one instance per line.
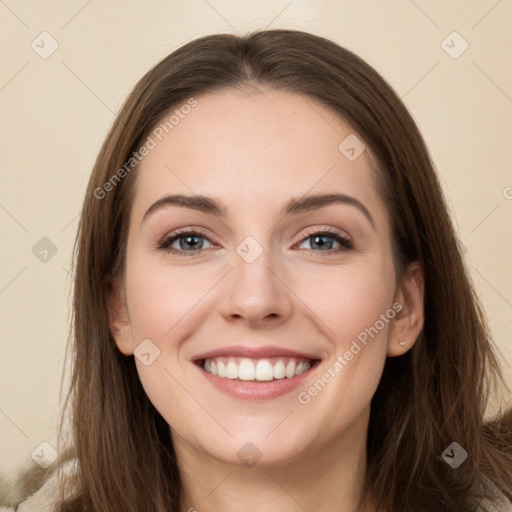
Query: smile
x=256, y=373
x=267, y=369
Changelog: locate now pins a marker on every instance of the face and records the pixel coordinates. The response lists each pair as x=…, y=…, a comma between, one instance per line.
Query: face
x=289, y=300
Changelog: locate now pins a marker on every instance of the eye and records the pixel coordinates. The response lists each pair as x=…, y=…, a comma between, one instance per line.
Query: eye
x=321, y=239
x=189, y=242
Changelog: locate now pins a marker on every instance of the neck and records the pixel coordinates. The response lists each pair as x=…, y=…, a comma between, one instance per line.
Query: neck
x=325, y=477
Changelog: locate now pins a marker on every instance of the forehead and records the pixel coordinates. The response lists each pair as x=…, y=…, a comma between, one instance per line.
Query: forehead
x=255, y=149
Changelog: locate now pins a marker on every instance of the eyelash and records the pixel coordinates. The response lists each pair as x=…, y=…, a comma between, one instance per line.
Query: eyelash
x=164, y=244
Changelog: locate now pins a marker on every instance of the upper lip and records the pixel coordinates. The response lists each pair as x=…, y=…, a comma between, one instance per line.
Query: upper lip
x=253, y=352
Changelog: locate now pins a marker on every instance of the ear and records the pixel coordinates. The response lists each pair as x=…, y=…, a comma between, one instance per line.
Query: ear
x=408, y=322
x=118, y=319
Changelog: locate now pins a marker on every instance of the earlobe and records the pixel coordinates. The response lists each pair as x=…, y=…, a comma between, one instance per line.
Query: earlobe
x=118, y=320
x=408, y=323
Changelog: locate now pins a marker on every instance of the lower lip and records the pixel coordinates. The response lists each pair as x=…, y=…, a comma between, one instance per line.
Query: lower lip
x=257, y=390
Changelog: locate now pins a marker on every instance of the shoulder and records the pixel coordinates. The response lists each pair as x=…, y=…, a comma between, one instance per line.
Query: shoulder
x=500, y=503
x=46, y=498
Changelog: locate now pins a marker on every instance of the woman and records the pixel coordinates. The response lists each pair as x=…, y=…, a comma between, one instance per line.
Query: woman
x=270, y=307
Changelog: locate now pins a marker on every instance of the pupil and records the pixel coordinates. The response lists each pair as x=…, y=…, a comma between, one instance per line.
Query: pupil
x=322, y=244
x=188, y=238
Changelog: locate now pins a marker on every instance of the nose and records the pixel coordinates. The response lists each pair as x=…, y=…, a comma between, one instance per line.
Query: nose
x=256, y=293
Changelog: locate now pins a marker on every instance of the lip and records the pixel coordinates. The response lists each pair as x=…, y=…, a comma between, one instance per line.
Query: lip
x=249, y=390
x=253, y=353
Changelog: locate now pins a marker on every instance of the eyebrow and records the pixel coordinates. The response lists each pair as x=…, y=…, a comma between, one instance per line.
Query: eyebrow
x=293, y=207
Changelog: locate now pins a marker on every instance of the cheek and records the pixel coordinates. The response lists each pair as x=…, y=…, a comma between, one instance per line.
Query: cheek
x=348, y=300
x=160, y=303
x=166, y=304
x=354, y=308
x=159, y=297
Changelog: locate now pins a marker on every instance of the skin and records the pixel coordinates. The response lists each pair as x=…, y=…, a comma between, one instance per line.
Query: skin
x=253, y=151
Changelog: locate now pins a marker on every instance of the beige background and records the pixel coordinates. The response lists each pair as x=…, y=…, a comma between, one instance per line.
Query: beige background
x=56, y=111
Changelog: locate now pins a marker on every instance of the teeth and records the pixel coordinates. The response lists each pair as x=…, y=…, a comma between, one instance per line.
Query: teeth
x=261, y=369
x=232, y=370
x=279, y=370
x=221, y=369
x=246, y=370
x=264, y=370
x=290, y=369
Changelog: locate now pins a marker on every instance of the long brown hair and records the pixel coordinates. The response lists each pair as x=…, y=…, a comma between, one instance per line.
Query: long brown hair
x=433, y=395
